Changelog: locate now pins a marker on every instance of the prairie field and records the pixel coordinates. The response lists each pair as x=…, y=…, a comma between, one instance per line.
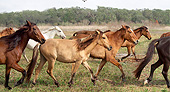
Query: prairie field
x=109, y=77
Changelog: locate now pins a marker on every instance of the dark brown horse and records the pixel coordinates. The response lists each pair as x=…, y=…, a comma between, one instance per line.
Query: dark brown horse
x=131, y=46
x=163, y=49
x=12, y=46
x=7, y=31
x=116, y=39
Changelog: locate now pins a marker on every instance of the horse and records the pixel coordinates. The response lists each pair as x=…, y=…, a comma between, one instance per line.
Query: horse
x=7, y=31
x=162, y=46
x=12, y=46
x=165, y=34
x=138, y=32
x=68, y=51
x=116, y=39
x=50, y=33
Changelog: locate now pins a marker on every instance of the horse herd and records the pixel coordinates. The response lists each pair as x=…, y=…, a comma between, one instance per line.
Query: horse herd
x=76, y=50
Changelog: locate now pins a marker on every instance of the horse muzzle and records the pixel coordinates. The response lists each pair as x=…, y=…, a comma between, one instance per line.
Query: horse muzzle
x=42, y=41
x=110, y=48
x=136, y=42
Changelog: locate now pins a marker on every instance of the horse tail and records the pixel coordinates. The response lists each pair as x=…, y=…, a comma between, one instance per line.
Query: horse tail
x=146, y=59
x=32, y=64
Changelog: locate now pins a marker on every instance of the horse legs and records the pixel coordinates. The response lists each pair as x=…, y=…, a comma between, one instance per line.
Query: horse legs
x=102, y=63
x=86, y=65
x=7, y=73
x=20, y=69
x=164, y=73
x=39, y=68
x=50, y=71
x=133, y=51
x=153, y=67
x=128, y=49
x=25, y=56
x=77, y=64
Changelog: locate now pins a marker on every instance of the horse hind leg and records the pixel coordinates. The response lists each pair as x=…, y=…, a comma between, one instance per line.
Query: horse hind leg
x=153, y=67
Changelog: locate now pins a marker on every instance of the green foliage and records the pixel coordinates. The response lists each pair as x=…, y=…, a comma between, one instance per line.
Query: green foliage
x=77, y=15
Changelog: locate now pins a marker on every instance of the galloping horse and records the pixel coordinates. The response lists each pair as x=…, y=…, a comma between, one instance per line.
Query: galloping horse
x=116, y=39
x=69, y=51
x=165, y=34
x=131, y=46
x=50, y=33
x=162, y=46
x=7, y=31
x=12, y=46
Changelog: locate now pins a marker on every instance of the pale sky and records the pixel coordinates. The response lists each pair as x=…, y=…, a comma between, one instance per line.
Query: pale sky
x=41, y=5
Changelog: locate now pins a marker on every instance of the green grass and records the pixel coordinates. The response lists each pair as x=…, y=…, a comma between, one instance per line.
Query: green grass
x=109, y=77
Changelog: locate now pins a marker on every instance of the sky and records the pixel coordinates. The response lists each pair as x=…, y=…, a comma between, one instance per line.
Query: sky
x=41, y=5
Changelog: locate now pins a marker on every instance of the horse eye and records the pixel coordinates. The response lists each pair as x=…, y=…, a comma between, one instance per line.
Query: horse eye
x=129, y=32
x=34, y=29
x=103, y=37
x=59, y=31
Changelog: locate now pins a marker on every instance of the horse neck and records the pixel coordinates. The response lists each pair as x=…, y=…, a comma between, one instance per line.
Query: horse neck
x=89, y=48
x=117, y=38
x=49, y=34
x=24, y=40
x=138, y=33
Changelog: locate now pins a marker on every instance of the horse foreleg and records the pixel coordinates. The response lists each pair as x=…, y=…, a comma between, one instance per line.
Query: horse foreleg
x=115, y=62
x=102, y=63
x=164, y=73
x=20, y=69
x=86, y=65
x=50, y=71
x=7, y=73
x=73, y=72
x=133, y=51
x=128, y=49
x=25, y=56
x=153, y=67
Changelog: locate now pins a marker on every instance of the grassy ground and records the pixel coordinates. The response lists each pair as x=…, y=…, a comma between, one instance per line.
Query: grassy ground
x=109, y=78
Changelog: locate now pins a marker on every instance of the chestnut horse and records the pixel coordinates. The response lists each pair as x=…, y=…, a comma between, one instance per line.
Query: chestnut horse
x=131, y=46
x=12, y=46
x=7, y=31
x=69, y=51
x=165, y=34
x=162, y=46
x=116, y=39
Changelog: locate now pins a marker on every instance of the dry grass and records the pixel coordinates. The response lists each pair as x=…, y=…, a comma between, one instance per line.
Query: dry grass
x=109, y=78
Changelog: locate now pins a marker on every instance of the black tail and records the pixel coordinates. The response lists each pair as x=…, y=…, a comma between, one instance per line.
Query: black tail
x=32, y=64
x=146, y=59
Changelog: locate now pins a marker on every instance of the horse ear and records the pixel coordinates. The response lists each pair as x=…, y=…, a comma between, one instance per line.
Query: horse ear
x=98, y=31
x=28, y=23
x=107, y=31
x=123, y=26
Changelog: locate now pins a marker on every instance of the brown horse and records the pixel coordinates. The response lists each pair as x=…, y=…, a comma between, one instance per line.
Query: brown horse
x=131, y=46
x=165, y=34
x=116, y=39
x=7, y=31
x=163, y=49
x=68, y=51
x=12, y=46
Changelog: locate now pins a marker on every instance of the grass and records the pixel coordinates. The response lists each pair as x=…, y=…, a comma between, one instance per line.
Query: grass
x=109, y=77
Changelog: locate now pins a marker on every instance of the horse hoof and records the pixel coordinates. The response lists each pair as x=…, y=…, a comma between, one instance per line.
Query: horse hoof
x=33, y=83
x=8, y=87
x=93, y=80
x=146, y=82
x=123, y=79
x=56, y=83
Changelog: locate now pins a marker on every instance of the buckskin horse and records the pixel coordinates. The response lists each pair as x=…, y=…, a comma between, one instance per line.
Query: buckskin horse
x=116, y=40
x=7, y=31
x=163, y=50
x=12, y=46
x=131, y=46
x=68, y=51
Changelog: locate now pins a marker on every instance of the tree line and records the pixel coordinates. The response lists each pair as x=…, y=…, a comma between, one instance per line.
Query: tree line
x=84, y=16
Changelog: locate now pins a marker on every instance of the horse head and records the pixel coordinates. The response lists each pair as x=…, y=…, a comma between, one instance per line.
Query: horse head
x=34, y=32
x=59, y=32
x=129, y=34
x=145, y=32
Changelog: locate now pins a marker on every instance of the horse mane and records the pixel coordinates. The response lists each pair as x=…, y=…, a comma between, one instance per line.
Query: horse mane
x=14, y=39
x=82, y=44
x=140, y=28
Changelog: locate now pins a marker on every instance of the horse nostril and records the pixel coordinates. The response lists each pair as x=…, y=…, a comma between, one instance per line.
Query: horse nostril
x=43, y=41
x=110, y=48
